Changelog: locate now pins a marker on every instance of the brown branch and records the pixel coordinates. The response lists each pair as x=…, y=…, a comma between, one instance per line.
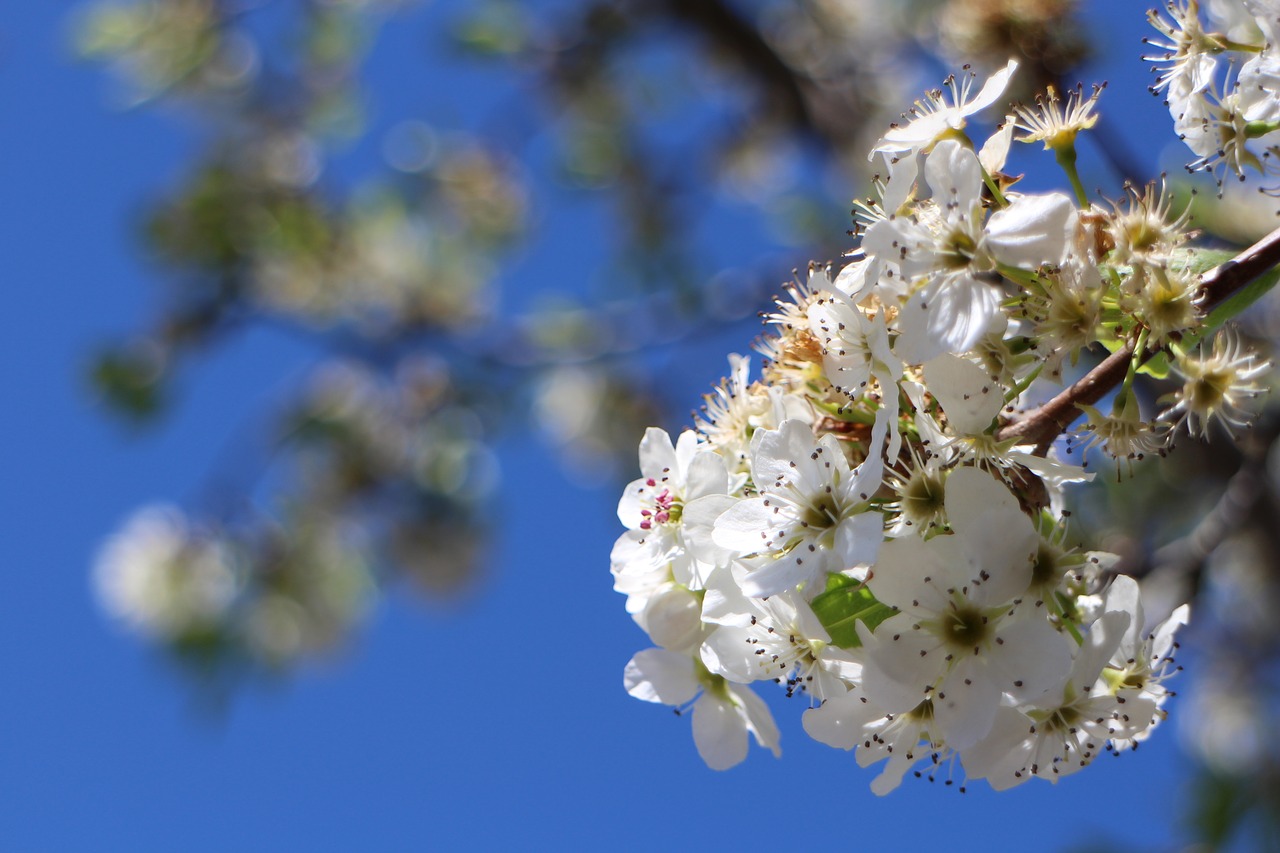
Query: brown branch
x=1221, y=282
x=1042, y=425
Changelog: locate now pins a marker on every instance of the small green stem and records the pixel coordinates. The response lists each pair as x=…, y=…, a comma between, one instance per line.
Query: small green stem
x=1056, y=607
x=996, y=194
x=1027, y=278
x=1024, y=384
x=1066, y=157
x=1225, y=43
x=1139, y=350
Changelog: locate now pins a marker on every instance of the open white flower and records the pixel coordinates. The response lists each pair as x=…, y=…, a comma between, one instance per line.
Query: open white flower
x=1058, y=737
x=782, y=641
x=936, y=115
x=933, y=119
x=723, y=713
x=1143, y=661
x=652, y=551
x=812, y=515
x=961, y=639
x=855, y=352
x=945, y=246
x=905, y=739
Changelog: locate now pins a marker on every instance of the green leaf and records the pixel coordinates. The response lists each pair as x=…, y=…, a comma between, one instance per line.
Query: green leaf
x=845, y=603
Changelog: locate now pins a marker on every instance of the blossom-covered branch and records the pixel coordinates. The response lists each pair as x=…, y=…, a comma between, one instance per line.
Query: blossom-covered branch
x=867, y=525
x=1043, y=424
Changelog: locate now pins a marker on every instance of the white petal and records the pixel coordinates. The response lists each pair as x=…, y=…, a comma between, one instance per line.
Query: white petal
x=891, y=777
x=657, y=675
x=1163, y=636
x=886, y=239
x=838, y=722
x=1033, y=660
x=759, y=721
x=697, y=523
x=1125, y=597
x=657, y=455
x=949, y=315
x=973, y=495
x=1000, y=756
x=968, y=394
x=772, y=576
x=1100, y=645
x=899, y=577
x=1032, y=230
x=774, y=451
x=673, y=618
x=744, y=528
x=857, y=279
x=955, y=176
x=707, y=475
x=630, y=504
x=992, y=89
x=996, y=149
x=686, y=448
x=724, y=603
x=902, y=664
x=915, y=134
x=964, y=705
x=727, y=653
x=858, y=539
x=998, y=542
x=902, y=178
x=719, y=732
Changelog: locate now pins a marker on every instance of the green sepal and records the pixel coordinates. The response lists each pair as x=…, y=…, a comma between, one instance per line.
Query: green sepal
x=844, y=604
x=1156, y=367
x=853, y=414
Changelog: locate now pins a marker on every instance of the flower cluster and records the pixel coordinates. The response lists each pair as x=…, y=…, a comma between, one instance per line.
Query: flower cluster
x=874, y=524
x=220, y=596
x=395, y=475
x=1218, y=69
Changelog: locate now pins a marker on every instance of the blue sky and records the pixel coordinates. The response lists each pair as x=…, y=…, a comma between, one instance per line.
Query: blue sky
x=497, y=722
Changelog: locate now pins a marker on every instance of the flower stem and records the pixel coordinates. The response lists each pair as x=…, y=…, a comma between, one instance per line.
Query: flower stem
x=996, y=193
x=1139, y=350
x=1066, y=157
x=1017, y=389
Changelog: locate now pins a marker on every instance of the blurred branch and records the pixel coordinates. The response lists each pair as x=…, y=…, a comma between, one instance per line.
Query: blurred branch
x=1042, y=425
x=723, y=26
x=1246, y=492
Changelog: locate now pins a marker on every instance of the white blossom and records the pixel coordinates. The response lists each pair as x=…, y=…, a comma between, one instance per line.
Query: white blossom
x=962, y=637
x=812, y=515
x=723, y=713
x=163, y=578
